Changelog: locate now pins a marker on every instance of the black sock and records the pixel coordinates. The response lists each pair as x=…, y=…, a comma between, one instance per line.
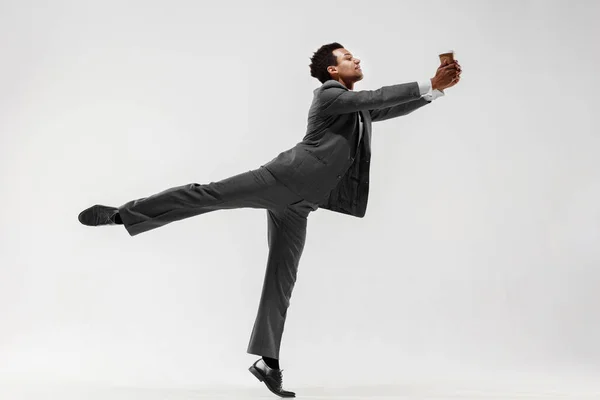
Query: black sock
x=118, y=219
x=271, y=362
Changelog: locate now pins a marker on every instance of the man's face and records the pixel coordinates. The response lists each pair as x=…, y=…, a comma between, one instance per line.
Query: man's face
x=348, y=68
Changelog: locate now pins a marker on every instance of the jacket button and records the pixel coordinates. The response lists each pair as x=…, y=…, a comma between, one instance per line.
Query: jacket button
x=339, y=176
x=367, y=161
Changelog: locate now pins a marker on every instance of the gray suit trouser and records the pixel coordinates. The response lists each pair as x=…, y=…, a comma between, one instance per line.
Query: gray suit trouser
x=287, y=218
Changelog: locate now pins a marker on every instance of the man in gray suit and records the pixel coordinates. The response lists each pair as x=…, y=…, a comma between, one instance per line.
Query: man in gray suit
x=328, y=169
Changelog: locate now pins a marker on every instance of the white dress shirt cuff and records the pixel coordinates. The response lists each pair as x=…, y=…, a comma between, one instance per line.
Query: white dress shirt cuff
x=426, y=91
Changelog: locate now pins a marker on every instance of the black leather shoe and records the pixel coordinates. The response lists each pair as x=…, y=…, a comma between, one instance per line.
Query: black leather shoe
x=98, y=215
x=271, y=377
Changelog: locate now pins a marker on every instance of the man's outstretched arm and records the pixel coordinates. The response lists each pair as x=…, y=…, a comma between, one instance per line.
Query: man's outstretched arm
x=428, y=94
x=337, y=100
x=447, y=75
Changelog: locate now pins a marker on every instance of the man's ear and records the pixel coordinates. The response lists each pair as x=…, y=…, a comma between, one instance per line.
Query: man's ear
x=331, y=69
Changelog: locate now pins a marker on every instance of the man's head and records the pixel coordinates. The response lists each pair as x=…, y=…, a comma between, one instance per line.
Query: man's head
x=333, y=61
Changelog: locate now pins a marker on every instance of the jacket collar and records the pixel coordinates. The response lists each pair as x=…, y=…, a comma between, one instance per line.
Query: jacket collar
x=332, y=83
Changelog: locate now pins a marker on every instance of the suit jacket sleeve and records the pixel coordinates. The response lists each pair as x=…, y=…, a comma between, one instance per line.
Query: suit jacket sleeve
x=397, y=111
x=428, y=94
x=337, y=100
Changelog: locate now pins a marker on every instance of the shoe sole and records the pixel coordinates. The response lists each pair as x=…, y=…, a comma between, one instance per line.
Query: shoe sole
x=258, y=376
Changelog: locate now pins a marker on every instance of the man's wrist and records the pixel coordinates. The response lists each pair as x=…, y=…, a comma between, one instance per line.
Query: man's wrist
x=434, y=86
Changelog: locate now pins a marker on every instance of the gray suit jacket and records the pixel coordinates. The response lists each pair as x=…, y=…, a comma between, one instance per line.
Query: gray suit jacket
x=329, y=167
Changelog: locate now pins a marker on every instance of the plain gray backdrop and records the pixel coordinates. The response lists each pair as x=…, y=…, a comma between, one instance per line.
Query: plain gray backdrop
x=479, y=254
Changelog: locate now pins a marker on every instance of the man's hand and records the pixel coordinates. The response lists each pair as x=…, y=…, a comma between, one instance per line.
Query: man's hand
x=447, y=75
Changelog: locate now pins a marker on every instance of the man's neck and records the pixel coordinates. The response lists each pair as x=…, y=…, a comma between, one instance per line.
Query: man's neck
x=349, y=85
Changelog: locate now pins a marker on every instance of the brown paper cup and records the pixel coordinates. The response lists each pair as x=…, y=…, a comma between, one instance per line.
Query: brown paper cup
x=447, y=55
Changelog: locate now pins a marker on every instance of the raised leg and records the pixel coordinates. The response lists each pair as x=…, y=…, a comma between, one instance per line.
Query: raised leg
x=254, y=189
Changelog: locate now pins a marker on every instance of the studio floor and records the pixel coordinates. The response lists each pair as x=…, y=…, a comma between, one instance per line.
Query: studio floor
x=402, y=392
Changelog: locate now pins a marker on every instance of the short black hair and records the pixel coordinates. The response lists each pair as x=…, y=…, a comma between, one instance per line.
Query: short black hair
x=322, y=59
